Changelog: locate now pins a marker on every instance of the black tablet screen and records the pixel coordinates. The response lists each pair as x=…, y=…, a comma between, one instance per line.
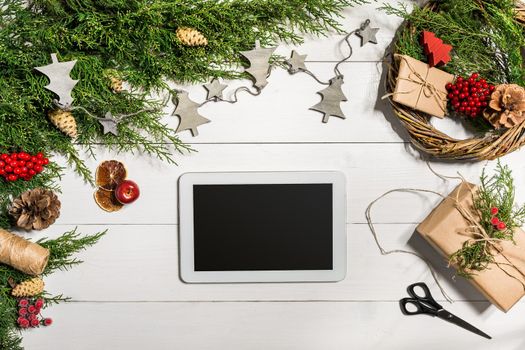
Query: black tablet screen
x=263, y=227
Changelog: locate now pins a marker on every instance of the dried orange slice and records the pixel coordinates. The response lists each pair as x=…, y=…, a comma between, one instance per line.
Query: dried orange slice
x=109, y=174
x=106, y=200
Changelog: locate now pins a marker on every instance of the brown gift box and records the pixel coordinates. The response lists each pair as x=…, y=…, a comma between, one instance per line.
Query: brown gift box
x=445, y=228
x=421, y=87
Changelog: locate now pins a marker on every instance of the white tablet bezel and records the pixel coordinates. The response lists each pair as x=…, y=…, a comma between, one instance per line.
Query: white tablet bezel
x=187, y=271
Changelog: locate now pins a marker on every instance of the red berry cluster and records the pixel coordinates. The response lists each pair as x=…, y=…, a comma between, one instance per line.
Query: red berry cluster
x=469, y=96
x=21, y=165
x=499, y=225
x=29, y=314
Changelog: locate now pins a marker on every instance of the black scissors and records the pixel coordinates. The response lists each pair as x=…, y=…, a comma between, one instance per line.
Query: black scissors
x=428, y=306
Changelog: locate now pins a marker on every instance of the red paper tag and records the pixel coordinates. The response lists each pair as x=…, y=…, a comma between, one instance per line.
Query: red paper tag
x=437, y=52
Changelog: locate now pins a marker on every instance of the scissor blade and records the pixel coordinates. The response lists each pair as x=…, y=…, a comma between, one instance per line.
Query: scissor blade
x=447, y=316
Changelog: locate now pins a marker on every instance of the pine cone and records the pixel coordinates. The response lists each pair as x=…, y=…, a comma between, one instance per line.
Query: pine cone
x=28, y=288
x=506, y=107
x=116, y=84
x=64, y=121
x=191, y=37
x=35, y=209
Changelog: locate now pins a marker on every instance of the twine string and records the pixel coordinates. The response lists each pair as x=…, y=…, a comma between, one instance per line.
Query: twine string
x=428, y=89
x=235, y=98
x=22, y=254
x=315, y=77
x=368, y=214
x=116, y=118
x=346, y=40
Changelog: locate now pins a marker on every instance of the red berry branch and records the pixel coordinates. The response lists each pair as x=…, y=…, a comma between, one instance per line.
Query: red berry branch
x=21, y=166
x=29, y=314
x=469, y=96
x=495, y=221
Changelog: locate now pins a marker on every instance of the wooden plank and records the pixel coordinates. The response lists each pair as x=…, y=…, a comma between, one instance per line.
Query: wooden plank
x=140, y=263
x=370, y=171
x=247, y=326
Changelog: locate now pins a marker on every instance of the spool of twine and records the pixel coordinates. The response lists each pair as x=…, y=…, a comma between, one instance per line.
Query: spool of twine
x=23, y=255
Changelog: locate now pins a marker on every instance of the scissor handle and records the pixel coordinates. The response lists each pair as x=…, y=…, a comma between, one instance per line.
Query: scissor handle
x=427, y=298
x=423, y=304
x=420, y=308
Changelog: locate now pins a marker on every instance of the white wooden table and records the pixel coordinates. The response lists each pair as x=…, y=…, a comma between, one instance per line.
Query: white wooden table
x=127, y=294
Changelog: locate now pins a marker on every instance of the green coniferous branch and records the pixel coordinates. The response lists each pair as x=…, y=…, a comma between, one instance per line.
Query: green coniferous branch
x=137, y=40
x=484, y=34
x=62, y=250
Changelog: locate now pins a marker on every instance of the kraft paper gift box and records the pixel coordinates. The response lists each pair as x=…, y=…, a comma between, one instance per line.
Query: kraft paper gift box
x=445, y=229
x=421, y=87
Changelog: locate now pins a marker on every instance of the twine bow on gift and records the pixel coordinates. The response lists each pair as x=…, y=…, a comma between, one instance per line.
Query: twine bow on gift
x=428, y=89
x=477, y=233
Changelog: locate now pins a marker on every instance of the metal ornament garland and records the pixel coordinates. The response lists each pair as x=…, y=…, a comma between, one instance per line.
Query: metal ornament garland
x=187, y=110
x=61, y=83
x=368, y=34
x=332, y=97
x=260, y=69
x=214, y=89
x=296, y=62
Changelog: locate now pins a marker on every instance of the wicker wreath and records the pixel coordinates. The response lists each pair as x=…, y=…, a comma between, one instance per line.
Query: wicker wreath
x=429, y=140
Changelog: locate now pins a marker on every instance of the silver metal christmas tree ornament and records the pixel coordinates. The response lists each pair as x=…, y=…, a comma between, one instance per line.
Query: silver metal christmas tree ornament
x=259, y=59
x=331, y=99
x=187, y=111
x=59, y=80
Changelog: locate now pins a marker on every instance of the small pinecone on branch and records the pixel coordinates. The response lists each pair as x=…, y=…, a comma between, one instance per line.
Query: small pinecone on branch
x=28, y=288
x=506, y=107
x=116, y=84
x=191, y=37
x=35, y=209
x=64, y=121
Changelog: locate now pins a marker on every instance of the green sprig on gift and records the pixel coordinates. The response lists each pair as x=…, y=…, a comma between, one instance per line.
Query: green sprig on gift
x=494, y=202
x=62, y=251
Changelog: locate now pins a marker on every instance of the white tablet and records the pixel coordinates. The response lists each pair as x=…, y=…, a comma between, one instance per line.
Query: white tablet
x=262, y=227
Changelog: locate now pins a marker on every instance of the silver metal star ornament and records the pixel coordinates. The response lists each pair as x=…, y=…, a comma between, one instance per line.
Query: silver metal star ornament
x=259, y=64
x=59, y=80
x=214, y=89
x=367, y=33
x=109, y=124
x=332, y=97
x=187, y=111
x=296, y=62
